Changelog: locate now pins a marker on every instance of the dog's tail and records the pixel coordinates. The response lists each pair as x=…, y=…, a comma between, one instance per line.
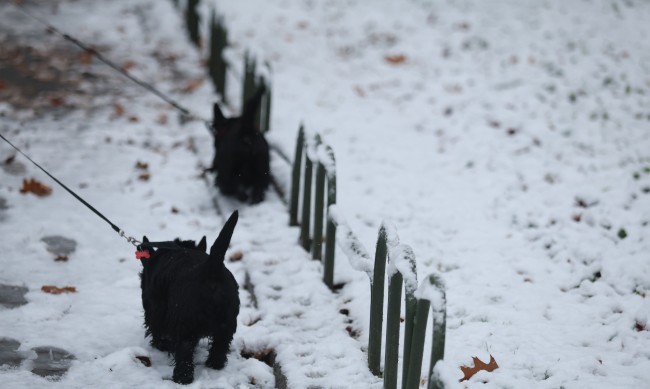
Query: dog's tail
x=218, y=250
x=249, y=114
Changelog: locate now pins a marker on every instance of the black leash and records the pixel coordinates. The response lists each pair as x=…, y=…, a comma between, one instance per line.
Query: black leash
x=115, y=228
x=139, y=245
x=186, y=112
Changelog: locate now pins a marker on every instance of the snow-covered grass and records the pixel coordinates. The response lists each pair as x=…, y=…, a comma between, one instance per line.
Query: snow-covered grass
x=507, y=142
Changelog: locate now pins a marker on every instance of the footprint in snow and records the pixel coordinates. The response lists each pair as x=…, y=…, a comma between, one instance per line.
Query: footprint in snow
x=46, y=361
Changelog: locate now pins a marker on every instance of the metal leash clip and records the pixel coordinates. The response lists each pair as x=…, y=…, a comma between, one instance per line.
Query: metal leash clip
x=130, y=239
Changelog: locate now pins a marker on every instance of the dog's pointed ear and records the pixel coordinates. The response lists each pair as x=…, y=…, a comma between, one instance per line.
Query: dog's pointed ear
x=217, y=115
x=218, y=250
x=203, y=244
x=144, y=239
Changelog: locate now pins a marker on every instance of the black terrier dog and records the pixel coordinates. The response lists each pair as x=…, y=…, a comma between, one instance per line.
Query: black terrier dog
x=188, y=295
x=242, y=154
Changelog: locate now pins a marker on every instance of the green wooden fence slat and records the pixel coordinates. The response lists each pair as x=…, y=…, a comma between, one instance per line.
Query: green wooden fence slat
x=439, y=328
x=417, y=345
x=410, y=303
x=330, y=232
x=319, y=205
x=192, y=21
x=295, y=177
x=267, y=103
x=377, y=304
x=392, y=330
x=305, y=222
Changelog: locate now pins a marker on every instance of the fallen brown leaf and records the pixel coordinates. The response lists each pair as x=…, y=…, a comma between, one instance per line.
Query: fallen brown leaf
x=144, y=177
x=468, y=372
x=134, y=119
x=61, y=258
x=128, y=65
x=57, y=101
x=85, y=58
x=237, y=256
x=192, y=85
x=144, y=359
x=35, y=187
x=51, y=289
x=141, y=165
x=639, y=326
x=395, y=59
x=118, y=109
x=260, y=355
x=162, y=119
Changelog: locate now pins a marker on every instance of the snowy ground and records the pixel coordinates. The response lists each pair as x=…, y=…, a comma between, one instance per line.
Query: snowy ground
x=507, y=142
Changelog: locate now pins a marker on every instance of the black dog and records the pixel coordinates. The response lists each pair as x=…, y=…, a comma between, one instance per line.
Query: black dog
x=242, y=153
x=188, y=295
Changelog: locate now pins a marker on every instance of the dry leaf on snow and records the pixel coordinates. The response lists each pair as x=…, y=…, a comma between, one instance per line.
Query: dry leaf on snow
x=144, y=359
x=128, y=65
x=85, y=57
x=192, y=85
x=162, y=119
x=51, y=289
x=35, y=187
x=395, y=59
x=57, y=101
x=468, y=372
x=118, y=109
x=236, y=256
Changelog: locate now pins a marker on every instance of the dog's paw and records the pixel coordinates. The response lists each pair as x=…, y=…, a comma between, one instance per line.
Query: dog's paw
x=183, y=377
x=216, y=363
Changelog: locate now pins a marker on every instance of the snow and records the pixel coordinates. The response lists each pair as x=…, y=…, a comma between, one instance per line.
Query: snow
x=432, y=289
x=509, y=149
x=354, y=250
x=326, y=158
x=402, y=259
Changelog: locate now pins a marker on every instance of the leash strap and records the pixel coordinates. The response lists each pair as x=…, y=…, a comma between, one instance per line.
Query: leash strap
x=117, y=229
x=139, y=245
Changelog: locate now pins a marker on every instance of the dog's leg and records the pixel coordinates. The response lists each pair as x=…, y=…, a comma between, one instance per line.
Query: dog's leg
x=219, y=347
x=242, y=195
x=160, y=342
x=258, y=194
x=184, y=359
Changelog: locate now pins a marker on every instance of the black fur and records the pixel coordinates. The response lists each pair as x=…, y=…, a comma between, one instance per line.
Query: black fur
x=188, y=295
x=242, y=154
